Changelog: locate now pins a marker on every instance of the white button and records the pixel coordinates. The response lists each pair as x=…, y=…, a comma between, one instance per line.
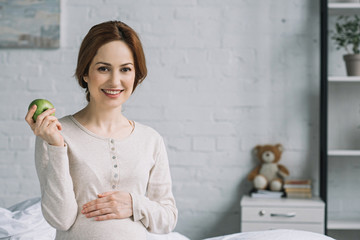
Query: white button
x=113, y=157
x=115, y=166
x=112, y=140
x=113, y=186
x=115, y=175
x=112, y=149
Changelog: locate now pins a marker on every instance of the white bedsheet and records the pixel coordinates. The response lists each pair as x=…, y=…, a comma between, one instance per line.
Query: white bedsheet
x=24, y=221
x=278, y=234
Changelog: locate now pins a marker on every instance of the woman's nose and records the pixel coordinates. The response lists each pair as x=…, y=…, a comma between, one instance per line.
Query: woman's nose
x=116, y=78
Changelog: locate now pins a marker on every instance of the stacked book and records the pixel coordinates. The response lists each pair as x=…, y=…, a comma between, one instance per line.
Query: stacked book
x=298, y=188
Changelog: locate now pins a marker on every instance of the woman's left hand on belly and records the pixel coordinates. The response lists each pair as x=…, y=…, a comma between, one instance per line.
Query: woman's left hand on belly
x=109, y=205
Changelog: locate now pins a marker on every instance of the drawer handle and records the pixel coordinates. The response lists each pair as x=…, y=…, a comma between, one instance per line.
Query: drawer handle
x=286, y=215
x=262, y=213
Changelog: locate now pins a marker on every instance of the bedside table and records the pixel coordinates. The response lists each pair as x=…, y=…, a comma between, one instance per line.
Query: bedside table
x=284, y=213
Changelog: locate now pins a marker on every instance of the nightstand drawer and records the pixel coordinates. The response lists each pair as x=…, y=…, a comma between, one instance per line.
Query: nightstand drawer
x=263, y=214
x=249, y=227
x=278, y=214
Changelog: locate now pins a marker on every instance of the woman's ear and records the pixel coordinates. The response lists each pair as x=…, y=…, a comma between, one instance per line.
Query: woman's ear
x=85, y=79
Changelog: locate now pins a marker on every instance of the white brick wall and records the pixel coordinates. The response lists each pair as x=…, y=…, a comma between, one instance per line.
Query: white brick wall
x=224, y=76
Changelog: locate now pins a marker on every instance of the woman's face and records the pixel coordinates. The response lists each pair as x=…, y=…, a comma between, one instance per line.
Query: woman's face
x=111, y=75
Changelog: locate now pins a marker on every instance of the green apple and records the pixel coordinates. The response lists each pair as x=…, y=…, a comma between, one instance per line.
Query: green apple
x=42, y=106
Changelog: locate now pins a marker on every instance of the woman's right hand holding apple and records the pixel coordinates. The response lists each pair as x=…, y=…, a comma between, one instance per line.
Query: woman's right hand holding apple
x=46, y=126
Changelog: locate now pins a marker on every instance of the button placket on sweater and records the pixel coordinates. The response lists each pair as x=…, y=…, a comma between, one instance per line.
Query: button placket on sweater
x=115, y=165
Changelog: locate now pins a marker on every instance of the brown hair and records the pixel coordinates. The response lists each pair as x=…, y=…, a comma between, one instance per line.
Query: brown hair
x=101, y=34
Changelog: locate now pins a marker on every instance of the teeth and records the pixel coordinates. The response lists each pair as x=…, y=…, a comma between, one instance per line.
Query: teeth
x=112, y=92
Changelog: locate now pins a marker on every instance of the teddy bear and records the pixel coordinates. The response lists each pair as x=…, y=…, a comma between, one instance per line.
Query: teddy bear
x=269, y=174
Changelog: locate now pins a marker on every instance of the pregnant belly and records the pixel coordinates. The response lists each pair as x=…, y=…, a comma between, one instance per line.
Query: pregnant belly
x=116, y=229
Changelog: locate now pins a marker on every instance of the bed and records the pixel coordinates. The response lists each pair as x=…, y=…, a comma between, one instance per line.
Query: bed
x=277, y=234
x=24, y=221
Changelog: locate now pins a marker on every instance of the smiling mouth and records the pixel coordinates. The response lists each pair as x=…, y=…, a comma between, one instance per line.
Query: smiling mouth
x=112, y=92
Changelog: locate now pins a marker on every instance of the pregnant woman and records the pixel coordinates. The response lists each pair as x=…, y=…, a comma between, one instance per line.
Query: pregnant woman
x=103, y=176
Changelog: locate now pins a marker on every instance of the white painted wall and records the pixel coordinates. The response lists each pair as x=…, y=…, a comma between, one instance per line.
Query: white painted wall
x=224, y=76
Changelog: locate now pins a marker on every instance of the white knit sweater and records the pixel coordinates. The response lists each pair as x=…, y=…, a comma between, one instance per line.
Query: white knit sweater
x=89, y=164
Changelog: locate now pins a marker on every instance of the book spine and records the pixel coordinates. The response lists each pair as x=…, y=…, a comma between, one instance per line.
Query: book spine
x=297, y=182
x=298, y=190
x=299, y=195
x=297, y=186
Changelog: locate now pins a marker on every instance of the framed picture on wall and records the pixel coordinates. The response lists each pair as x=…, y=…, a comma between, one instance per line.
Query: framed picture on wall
x=29, y=24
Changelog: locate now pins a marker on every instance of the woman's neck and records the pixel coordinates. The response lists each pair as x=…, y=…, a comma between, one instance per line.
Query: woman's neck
x=105, y=122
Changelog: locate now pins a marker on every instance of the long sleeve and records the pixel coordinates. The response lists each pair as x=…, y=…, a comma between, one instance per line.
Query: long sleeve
x=157, y=210
x=58, y=202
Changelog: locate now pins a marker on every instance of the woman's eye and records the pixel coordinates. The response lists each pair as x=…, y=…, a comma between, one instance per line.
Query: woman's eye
x=103, y=69
x=126, y=69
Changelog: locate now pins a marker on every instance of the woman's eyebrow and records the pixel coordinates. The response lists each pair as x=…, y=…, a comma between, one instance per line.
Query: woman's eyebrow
x=126, y=64
x=108, y=64
x=105, y=63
